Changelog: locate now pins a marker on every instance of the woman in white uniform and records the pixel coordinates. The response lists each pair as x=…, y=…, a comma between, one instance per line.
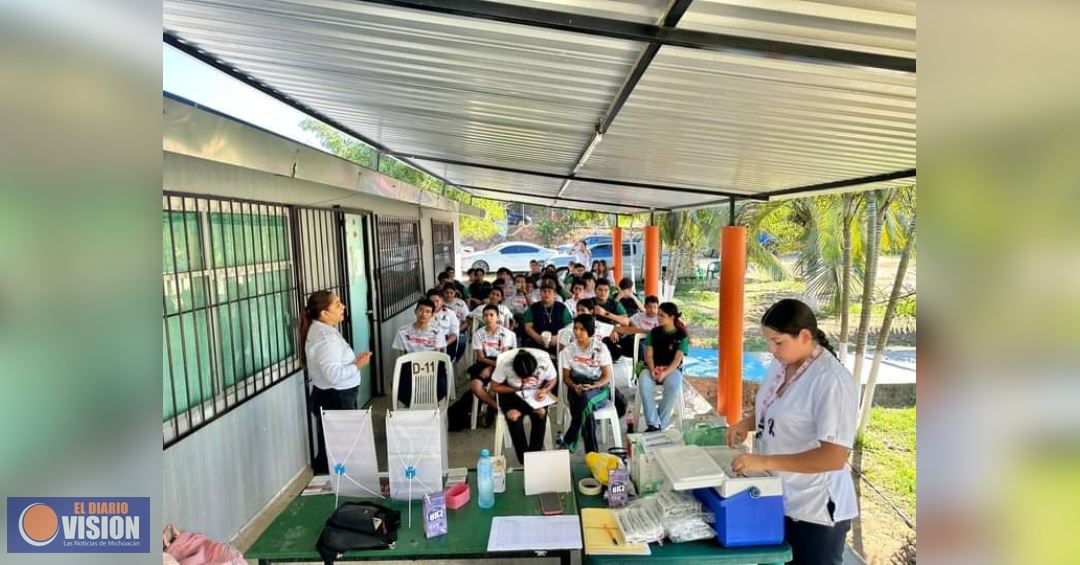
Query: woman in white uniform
x=331, y=365
x=805, y=418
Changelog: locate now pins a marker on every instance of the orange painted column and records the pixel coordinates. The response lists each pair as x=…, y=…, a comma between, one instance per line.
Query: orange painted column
x=616, y=256
x=652, y=260
x=732, y=279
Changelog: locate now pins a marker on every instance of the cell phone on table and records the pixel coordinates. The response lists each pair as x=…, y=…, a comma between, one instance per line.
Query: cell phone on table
x=550, y=503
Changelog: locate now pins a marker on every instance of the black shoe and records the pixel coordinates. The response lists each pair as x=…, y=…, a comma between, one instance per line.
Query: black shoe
x=652, y=429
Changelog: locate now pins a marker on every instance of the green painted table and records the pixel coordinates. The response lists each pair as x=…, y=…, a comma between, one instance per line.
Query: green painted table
x=705, y=551
x=292, y=535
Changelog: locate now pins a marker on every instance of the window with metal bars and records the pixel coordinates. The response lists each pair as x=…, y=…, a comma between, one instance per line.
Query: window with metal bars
x=442, y=245
x=228, y=302
x=400, y=276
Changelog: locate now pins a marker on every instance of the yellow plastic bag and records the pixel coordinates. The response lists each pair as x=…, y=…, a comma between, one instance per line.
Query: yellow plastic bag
x=600, y=463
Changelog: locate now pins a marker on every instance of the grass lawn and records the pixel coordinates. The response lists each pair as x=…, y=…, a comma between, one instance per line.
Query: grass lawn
x=886, y=455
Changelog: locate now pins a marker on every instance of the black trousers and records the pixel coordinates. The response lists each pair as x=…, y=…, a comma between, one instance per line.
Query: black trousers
x=511, y=401
x=815, y=544
x=328, y=399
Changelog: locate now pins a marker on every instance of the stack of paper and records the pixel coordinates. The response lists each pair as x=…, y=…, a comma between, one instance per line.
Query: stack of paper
x=320, y=484
x=526, y=533
x=529, y=396
x=603, y=536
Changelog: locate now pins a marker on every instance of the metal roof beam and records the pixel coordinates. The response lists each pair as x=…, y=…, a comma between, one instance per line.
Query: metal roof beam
x=906, y=173
x=670, y=19
x=650, y=33
x=206, y=58
x=576, y=200
x=630, y=184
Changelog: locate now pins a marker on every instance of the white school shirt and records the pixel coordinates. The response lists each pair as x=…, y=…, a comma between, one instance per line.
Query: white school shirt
x=447, y=321
x=504, y=371
x=331, y=362
x=493, y=345
x=412, y=340
x=588, y=361
x=821, y=405
x=460, y=308
x=640, y=320
x=517, y=303
x=600, y=332
x=505, y=315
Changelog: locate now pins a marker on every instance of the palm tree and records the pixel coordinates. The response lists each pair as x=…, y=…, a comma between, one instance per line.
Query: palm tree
x=685, y=233
x=849, y=206
x=877, y=206
x=886, y=324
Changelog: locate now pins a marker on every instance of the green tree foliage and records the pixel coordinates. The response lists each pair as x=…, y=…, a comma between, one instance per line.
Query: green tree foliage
x=552, y=231
x=480, y=229
x=340, y=144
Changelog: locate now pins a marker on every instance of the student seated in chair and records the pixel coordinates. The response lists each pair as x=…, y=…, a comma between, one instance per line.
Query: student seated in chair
x=422, y=335
x=487, y=343
x=532, y=374
x=665, y=347
x=548, y=315
x=586, y=371
x=446, y=320
x=478, y=288
x=642, y=322
x=455, y=304
x=495, y=298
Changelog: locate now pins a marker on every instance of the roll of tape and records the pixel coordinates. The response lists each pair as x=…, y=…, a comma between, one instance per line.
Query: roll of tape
x=589, y=486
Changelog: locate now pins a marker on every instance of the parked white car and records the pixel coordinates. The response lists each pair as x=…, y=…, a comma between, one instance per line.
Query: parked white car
x=514, y=255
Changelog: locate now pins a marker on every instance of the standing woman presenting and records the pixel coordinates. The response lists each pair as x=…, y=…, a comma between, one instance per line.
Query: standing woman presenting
x=331, y=365
x=805, y=417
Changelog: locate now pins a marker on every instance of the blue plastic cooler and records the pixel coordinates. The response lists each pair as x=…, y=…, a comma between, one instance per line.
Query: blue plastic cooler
x=745, y=518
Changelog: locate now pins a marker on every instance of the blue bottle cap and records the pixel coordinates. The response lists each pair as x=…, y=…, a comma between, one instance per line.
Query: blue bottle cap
x=484, y=453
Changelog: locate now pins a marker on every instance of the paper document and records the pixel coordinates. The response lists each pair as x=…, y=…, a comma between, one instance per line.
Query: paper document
x=526, y=533
x=603, y=536
x=529, y=396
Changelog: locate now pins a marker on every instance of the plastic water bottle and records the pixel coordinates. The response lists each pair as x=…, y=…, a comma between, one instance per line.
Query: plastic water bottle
x=485, y=482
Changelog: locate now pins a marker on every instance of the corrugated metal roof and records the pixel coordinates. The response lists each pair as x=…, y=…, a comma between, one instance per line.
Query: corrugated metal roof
x=752, y=124
x=528, y=99
x=872, y=26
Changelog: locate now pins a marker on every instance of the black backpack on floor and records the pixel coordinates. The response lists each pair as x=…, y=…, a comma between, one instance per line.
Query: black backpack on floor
x=358, y=525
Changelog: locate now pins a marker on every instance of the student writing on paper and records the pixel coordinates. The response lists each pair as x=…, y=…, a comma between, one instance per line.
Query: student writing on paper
x=525, y=371
x=586, y=368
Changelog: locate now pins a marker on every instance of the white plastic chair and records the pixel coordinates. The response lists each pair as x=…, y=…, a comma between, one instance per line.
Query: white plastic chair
x=425, y=387
x=502, y=438
x=563, y=408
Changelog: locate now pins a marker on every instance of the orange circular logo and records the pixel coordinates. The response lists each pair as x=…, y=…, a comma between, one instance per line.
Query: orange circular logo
x=38, y=524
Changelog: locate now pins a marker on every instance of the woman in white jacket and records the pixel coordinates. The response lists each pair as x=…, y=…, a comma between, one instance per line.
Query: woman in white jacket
x=332, y=366
x=805, y=417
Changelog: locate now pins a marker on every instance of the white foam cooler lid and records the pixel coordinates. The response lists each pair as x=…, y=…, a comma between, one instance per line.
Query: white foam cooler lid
x=689, y=467
x=767, y=484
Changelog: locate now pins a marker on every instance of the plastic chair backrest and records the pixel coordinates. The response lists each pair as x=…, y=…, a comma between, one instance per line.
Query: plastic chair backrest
x=637, y=348
x=425, y=385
